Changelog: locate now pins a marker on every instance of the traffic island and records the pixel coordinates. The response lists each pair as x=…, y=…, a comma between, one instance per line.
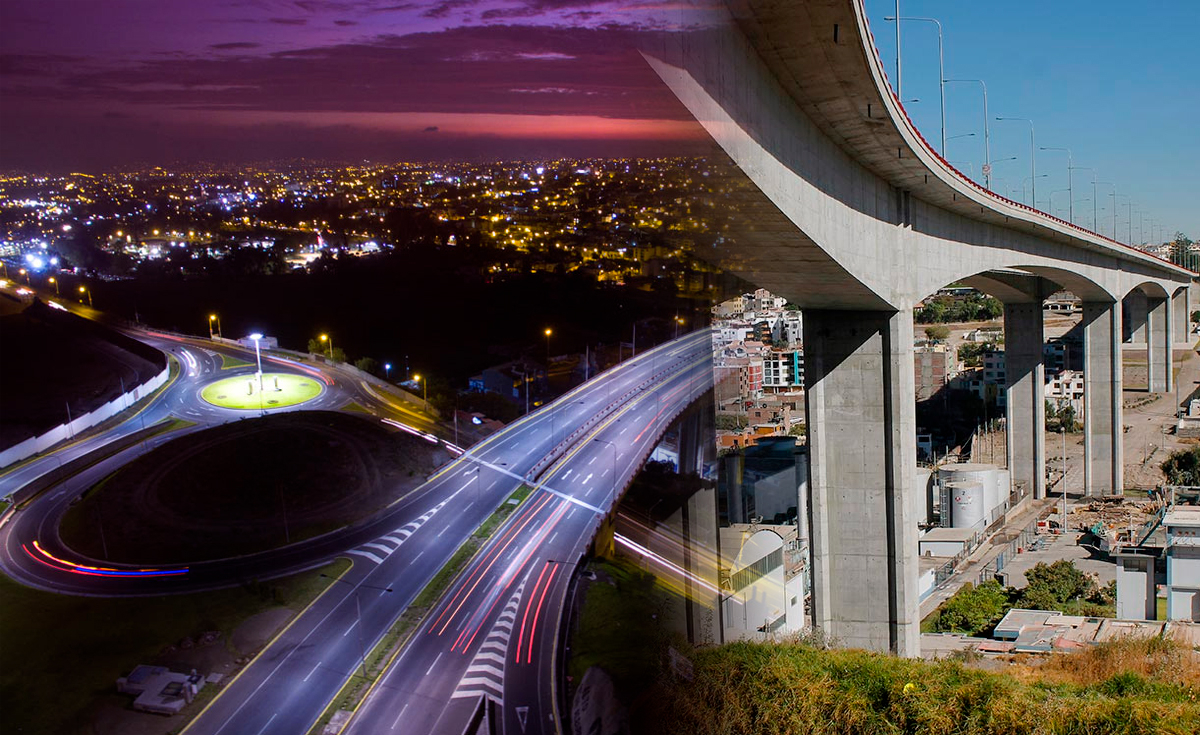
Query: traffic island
x=279, y=390
x=247, y=487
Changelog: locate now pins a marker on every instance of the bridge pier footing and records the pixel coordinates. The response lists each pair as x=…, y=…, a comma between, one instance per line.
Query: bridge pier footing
x=1103, y=472
x=1025, y=398
x=860, y=395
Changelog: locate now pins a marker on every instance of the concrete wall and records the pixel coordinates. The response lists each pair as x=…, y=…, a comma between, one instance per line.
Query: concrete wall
x=1136, y=589
x=41, y=443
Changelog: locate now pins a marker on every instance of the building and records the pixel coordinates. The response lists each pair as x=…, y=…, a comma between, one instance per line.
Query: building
x=934, y=366
x=1183, y=563
x=1066, y=389
x=514, y=380
x=783, y=370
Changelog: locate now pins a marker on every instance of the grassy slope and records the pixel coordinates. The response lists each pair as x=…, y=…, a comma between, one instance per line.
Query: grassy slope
x=60, y=652
x=790, y=688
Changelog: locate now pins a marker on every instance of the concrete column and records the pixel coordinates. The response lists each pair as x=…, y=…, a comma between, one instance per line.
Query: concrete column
x=861, y=403
x=1181, y=318
x=1025, y=396
x=1133, y=317
x=1102, y=427
x=1158, y=347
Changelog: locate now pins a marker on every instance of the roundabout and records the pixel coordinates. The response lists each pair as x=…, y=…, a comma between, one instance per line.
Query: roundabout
x=279, y=390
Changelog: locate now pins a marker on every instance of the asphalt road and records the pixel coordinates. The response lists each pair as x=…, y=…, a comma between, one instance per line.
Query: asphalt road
x=287, y=687
x=495, y=632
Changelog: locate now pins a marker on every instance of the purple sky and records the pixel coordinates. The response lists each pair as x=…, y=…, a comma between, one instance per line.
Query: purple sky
x=92, y=85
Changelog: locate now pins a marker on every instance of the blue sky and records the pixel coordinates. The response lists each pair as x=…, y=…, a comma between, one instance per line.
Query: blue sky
x=1116, y=82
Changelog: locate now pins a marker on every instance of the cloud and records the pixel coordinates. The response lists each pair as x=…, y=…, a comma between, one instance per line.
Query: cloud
x=288, y=21
x=446, y=7
x=345, y=23
x=430, y=129
x=234, y=45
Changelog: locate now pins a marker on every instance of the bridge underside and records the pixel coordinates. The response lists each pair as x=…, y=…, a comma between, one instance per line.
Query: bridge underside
x=840, y=212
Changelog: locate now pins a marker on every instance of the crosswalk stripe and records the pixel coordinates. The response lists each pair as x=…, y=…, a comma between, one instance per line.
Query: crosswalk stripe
x=366, y=555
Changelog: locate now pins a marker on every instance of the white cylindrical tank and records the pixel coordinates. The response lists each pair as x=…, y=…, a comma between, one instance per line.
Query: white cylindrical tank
x=985, y=474
x=966, y=504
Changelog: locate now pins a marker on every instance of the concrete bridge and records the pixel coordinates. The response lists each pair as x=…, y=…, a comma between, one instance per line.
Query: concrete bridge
x=850, y=214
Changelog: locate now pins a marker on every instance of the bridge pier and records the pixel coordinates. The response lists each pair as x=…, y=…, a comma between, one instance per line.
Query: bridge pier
x=1134, y=308
x=1025, y=398
x=1160, y=376
x=1102, y=427
x=861, y=407
x=1181, y=316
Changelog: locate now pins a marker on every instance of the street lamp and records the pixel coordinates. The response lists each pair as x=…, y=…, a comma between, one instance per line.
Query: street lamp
x=55, y=282
x=329, y=342
x=1089, y=168
x=258, y=361
x=387, y=370
x=548, y=332
x=614, y=466
x=82, y=289
x=1032, y=180
x=1070, y=163
x=987, y=146
x=25, y=273
x=424, y=385
x=1032, y=157
x=358, y=606
x=941, y=64
x=211, y=319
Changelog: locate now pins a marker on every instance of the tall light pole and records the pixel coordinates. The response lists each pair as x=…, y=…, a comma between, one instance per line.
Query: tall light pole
x=1114, y=203
x=329, y=343
x=258, y=360
x=1063, y=430
x=1032, y=181
x=358, y=606
x=548, y=332
x=1070, y=164
x=55, y=282
x=614, y=467
x=1089, y=168
x=424, y=385
x=387, y=371
x=987, y=144
x=1032, y=155
x=82, y=289
x=941, y=63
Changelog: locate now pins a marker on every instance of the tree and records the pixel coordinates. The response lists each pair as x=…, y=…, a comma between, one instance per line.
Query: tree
x=338, y=355
x=1196, y=317
x=1062, y=580
x=1183, y=467
x=316, y=346
x=937, y=332
x=973, y=610
x=367, y=365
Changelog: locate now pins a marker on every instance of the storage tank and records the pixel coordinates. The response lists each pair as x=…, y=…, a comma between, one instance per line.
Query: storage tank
x=924, y=488
x=966, y=504
x=985, y=474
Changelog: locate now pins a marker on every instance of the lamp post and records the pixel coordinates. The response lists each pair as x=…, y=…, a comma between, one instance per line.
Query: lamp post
x=211, y=319
x=1031, y=180
x=258, y=361
x=358, y=607
x=55, y=282
x=614, y=466
x=1094, y=210
x=424, y=385
x=1032, y=157
x=1063, y=526
x=387, y=371
x=1114, y=202
x=329, y=343
x=1070, y=164
x=941, y=62
x=82, y=289
x=548, y=332
x=987, y=146
x=23, y=272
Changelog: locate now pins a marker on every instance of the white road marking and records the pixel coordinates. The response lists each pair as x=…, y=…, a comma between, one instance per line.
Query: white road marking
x=393, y=727
x=592, y=462
x=434, y=664
x=264, y=728
x=350, y=629
x=366, y=555
x=314, y=670
x=554, y=536
x=585, y=480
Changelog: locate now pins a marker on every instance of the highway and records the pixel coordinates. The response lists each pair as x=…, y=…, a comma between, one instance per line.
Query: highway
x=287, y=687
x=495, y=632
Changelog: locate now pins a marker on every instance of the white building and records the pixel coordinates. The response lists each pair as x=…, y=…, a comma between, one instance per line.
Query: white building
x=783, y=370
x=1183, y=563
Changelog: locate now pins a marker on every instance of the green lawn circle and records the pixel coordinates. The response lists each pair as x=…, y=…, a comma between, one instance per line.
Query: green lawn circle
x=241, y=392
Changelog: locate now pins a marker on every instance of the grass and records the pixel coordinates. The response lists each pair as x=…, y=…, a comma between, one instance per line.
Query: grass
x=241, y=392
x=300, y=474
x=61, y=654
x=229, y=362
x=795, y=688
x=355, y=689
x=355, y=407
